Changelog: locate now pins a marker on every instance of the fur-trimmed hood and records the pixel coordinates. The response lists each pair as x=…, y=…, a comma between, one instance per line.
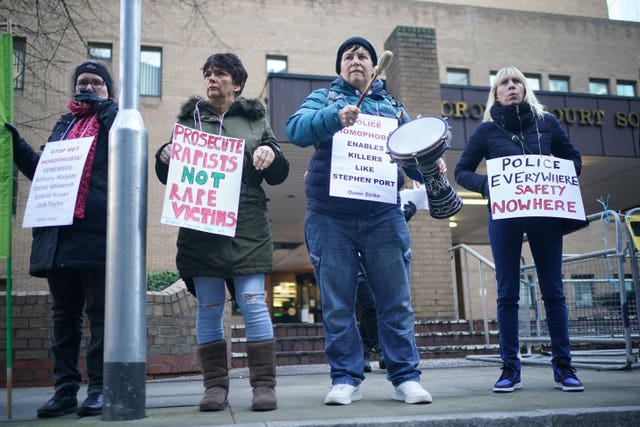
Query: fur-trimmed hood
x=251, y=109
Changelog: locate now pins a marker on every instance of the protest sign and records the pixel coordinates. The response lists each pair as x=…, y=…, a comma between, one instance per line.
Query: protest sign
x=204, y=180
x=54, y=189
x=534, y=185
x=360, y=166
x=416, y=195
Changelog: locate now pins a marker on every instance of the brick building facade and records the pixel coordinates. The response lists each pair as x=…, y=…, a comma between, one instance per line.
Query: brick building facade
x=546, y=38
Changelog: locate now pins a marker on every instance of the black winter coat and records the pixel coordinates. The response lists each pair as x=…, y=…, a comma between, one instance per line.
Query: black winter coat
x=81, y=245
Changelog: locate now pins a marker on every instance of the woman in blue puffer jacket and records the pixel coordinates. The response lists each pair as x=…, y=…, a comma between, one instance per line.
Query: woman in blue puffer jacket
x=515, y=124
x=340, y=232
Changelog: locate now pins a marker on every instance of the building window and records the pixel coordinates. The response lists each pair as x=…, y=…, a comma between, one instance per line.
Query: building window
x=492, y=77
x=456, y=76
x=101, y=52
x=150, y=71
x=558, y=84
x=625, y=88
x=277, y=64
x=534, y=81
x=599, y=86
x=19, y=55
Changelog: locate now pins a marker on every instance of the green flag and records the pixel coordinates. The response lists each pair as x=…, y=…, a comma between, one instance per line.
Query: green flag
x=6, y=147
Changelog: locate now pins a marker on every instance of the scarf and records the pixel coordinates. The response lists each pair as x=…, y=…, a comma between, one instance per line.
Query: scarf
x=513, y=117
x=87, y=125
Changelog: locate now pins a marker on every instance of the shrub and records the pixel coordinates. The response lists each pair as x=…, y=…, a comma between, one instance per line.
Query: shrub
x=159, y=280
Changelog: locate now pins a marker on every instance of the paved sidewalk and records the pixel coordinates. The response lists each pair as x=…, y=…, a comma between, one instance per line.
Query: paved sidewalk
x=461, y=390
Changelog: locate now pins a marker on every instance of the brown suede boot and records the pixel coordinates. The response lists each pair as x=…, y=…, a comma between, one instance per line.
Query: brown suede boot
x=213, y=362
x=262, y=375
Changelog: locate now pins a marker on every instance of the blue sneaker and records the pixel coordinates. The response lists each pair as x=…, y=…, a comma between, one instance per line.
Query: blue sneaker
x=509, y=380
x=564, y=376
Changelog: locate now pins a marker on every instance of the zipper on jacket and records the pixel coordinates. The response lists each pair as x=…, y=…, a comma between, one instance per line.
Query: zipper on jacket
x=521, y=129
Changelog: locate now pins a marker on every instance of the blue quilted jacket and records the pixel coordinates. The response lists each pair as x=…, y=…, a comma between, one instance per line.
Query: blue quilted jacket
x=315, y=123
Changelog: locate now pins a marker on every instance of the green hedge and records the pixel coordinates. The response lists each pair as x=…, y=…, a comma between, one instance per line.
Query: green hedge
x=159, y=280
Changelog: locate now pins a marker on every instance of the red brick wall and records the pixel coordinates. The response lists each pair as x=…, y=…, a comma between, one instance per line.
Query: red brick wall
x=171, y=341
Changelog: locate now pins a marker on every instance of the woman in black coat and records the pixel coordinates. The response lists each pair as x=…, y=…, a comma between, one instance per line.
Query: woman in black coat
x=72, y=257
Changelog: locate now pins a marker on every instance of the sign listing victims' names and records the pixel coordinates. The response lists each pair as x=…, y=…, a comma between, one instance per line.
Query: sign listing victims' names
x=54, y=189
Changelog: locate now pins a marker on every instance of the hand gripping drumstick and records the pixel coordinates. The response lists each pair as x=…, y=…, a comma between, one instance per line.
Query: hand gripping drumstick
x=385, y=60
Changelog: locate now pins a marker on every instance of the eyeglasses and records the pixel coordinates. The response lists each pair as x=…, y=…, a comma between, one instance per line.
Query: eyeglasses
x=96, y=84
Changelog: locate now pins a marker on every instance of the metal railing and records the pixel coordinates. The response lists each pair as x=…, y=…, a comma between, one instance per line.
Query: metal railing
x=601, y=289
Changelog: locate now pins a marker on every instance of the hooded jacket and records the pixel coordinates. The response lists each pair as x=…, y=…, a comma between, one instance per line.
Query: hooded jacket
x=250, y=251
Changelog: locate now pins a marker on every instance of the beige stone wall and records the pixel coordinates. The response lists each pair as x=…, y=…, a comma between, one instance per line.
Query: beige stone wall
x=589, y=8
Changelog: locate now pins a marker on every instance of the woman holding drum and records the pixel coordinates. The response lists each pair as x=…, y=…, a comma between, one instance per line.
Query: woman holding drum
x=337, y=229
x=515, y=124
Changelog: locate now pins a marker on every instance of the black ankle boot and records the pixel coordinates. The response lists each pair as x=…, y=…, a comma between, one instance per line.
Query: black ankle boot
x=92, y=405
x=62, y=403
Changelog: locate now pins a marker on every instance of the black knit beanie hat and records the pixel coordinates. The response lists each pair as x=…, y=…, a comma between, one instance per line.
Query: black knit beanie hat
x=359, y=41
x=95, y=68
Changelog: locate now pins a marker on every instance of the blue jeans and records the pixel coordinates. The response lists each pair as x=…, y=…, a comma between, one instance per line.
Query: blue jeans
x=211, y=296
x=545, y=241
x=384, y=246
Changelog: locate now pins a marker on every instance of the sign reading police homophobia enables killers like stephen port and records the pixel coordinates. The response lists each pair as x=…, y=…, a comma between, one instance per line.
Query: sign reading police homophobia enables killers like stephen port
x=203, y=184
x=360, y=166
x=534, y=185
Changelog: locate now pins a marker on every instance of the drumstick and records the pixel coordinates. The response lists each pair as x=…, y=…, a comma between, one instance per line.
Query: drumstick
x=385, y=59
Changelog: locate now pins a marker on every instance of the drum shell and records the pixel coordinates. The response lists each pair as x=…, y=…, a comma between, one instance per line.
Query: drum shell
x=442, y=198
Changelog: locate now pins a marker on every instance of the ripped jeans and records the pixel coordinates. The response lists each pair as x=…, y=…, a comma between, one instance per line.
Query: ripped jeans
x=251, y=300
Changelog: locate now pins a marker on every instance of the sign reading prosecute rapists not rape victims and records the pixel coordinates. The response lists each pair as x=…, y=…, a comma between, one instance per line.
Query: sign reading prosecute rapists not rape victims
x=204, y=180
x=534, y=185
x=360, y=166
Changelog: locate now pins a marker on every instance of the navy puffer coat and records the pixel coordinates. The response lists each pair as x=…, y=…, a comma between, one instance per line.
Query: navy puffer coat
x=495, y=139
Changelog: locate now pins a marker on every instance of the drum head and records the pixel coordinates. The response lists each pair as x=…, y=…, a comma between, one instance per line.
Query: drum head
x=417, y=136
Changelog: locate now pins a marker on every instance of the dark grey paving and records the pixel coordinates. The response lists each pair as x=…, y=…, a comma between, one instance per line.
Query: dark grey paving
x=461, y=391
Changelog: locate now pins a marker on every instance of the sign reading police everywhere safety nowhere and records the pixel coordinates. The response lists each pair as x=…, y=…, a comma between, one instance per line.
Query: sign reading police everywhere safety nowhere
x=54, y=189
x=203, y=184
x=534, y=185
x=360, y=166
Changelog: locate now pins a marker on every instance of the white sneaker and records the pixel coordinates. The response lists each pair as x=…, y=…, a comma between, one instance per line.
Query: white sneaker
x=342, y=394
x=412, y=392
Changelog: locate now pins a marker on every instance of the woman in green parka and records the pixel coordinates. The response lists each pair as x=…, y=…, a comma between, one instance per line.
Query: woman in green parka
x=204, y=260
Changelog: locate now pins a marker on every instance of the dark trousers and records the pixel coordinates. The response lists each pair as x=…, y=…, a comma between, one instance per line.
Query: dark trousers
x=368, y=317
x=545, y=241
x=72, y=293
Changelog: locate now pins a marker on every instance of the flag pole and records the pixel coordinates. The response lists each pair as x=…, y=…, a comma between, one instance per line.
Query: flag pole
x=6, y=190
